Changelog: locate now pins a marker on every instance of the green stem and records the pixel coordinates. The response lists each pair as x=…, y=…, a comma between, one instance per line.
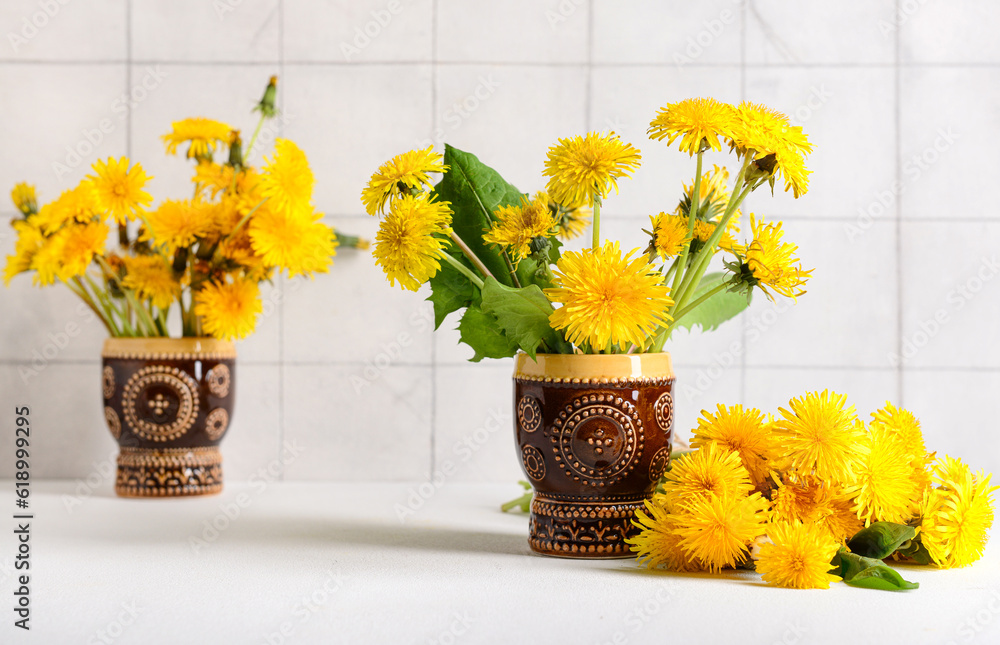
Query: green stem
x=464, y=270
x=691, y=307
x=243, y=220
x=692, y=215
x=522, y=502
x=596, y=222
x=460, y=243
x=246, y=155
x=78, y=289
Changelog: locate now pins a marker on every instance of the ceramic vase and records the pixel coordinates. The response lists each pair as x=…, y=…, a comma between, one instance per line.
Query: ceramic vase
x=594, y=436
x=168, y=403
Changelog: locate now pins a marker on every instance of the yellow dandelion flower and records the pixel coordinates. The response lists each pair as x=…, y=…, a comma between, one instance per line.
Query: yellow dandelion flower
x=76, y=205
x=296, y=241
x=607, y=298
x=581, y=167
x=670, y=234
x=151, y=278
x=956, y=516
x=791, y=165
x=412, y=239
x=812, y=501
x=761, y=131
x=287, y=180
x=178, y=223
x=404, y=174
x=118, y=188
x=658, y=545
x=819, y=436
x=884, y=483
x=772, y=262
x=740, y=430
x=699, y=123
x=712, y=470
x=228, y=310
x=904, y=426
x=713, y=196
x=46, y=262
x=29, y=240
x=798, y=556
x=571, y=222
x=516, y=227
x=78, y=245
x=24, y=198
x=715, y=531
x=202, y=134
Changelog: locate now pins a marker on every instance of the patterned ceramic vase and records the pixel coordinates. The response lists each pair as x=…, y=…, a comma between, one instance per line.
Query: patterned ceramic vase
x=594, y=435
x=168, y=403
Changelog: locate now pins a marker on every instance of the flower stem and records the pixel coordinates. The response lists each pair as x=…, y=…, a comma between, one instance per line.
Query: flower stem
x=691, y=307
x=692, y=215
x=246, y=154
x=460, y=243
x=464, y=270
x=77, y=288
x=596, y=222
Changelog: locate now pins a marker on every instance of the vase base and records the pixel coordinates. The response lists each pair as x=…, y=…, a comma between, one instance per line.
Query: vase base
x=588, y=529
x=169, y=472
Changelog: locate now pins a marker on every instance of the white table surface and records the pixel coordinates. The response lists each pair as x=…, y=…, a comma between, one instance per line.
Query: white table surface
x=333, y=563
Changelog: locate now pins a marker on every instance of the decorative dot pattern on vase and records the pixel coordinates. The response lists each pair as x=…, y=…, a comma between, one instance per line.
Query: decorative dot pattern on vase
x=160, y=403
x=108, y=382
x=663, y=410
x=216, y=423
x=219, y=380
x=534, y=462
x=597, y=439
x=529, y=413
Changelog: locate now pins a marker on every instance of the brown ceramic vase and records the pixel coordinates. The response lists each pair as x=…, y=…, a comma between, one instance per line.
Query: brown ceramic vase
x=168, y=402
x=593, y=435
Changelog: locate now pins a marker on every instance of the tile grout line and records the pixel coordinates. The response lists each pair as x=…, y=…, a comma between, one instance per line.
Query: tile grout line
x=899, y=211
x=284, y=281
x=128, y=77
x=588, y=104
x=433, y=361
x=743, y=96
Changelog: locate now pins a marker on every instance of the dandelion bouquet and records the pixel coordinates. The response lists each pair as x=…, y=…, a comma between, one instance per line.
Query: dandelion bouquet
x=205, y=255
x=484, y=246
x=814, y=495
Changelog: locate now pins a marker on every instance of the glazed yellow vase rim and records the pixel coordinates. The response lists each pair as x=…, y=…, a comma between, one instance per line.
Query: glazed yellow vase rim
x=594, y=366
x=168, y=346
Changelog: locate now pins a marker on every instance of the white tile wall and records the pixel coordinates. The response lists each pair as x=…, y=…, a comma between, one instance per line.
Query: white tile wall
x=898, y=97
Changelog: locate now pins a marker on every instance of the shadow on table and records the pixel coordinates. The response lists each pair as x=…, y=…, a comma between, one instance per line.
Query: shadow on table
x=315, y=531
